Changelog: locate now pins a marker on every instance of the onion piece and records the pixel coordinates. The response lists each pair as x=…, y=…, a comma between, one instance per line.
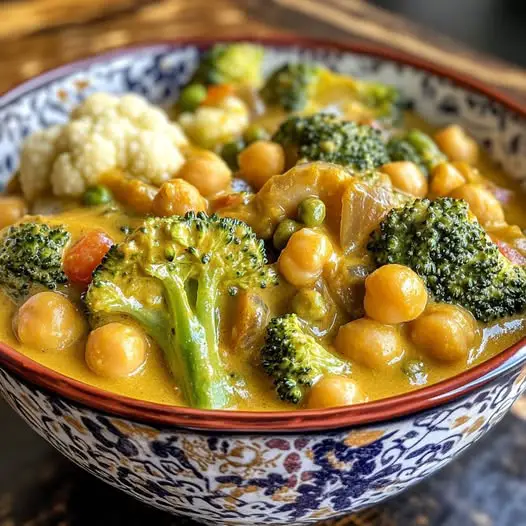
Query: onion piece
x=364, y=205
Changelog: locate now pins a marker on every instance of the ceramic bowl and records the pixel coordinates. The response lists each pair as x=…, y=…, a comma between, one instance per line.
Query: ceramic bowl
x=263, y=468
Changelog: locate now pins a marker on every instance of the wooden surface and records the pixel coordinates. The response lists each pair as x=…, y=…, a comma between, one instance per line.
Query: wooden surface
x=37, y=486
x=36, y=35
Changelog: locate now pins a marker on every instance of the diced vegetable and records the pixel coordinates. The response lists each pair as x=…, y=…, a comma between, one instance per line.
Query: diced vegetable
x=230, y=151
x=310, y=305
x=282, y=234
x=255, y=133
x=251, y=317
x=311, y=212
x=363, y=207
x=192, y=96
x=97, y=195
x=216, y=93
x=85, y=256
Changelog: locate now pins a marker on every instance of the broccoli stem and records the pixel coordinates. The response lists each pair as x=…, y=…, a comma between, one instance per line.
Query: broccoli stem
x=206, y=309
x=206, y=302
x=193, y=360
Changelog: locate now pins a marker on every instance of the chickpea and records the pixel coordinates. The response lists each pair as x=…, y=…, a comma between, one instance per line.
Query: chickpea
x=444, y=179
x=260, y=161
x=301, y=262
x=394, y=294
x=482, y=203
x=207, y=172
x=48, y=321
x=370, y=343
x=177, y=197
x=406, y=177
x=470, y=173
x=445, y=332
x=334, y=391
x=457, y=145
x=11, y=210
x=116, y=350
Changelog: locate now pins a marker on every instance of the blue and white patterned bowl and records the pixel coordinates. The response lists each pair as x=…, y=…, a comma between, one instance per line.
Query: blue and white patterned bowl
x=274, y=468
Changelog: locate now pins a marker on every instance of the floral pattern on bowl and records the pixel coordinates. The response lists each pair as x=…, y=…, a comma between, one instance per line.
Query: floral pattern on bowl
x=258, y=477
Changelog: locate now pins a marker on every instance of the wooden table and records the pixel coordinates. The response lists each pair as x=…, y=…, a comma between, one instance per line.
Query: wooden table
x=37, y=486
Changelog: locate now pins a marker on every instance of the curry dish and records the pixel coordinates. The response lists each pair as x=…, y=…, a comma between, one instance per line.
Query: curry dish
x=293, y=240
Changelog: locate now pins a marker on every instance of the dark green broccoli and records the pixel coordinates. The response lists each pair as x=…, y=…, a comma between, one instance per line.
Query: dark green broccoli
x=170, y=276
x=417, y=147
x=324, y=137
x=290, y=86
x=443, y=243
x=31, y=258
x=238, y=63
x=295, y=360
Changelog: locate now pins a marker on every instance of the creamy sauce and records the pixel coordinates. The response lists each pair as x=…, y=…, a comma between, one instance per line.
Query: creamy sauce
x=253, y=389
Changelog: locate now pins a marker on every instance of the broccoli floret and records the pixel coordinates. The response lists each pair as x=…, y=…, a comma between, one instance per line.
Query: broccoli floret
x=417, y=147
x=294, y=85
x=385, y=100
x=443, y=243
x=290, y=86
x=295, y=360
x=31, y=258
x=238, y=63
x=324, y=137
x=170, y=276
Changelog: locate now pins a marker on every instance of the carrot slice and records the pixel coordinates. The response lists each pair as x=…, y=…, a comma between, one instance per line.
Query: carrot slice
x=217, y=93
x=85, y=256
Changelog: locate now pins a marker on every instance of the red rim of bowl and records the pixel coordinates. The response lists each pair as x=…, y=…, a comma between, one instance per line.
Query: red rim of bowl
x=285, y=421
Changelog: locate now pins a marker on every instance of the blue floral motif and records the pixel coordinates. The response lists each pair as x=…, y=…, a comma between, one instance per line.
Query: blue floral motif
x=242, y=479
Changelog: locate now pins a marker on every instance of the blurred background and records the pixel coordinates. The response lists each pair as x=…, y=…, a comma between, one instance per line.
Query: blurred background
x=485, y=39
x=492, y=26
x=39, y=34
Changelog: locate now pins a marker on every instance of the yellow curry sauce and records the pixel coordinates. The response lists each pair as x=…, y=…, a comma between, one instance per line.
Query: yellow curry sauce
x=154, y=164
x=254, y=392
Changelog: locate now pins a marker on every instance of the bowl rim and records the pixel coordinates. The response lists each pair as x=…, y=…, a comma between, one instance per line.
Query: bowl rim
x=272, y=421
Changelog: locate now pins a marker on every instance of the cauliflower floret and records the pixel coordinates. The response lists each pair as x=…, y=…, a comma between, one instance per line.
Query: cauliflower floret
x=211, y=126
x=95, y=105
x=103, y=132
x=36, y=160
x=149, y=153
x=81, y=164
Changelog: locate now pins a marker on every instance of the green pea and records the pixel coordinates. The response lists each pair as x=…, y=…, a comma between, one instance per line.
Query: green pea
x=283, y=232
x=255, y=133
x=230, y=151
x=310, y=305
x=191, y=97
x=311, y=211
x=97, y=195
